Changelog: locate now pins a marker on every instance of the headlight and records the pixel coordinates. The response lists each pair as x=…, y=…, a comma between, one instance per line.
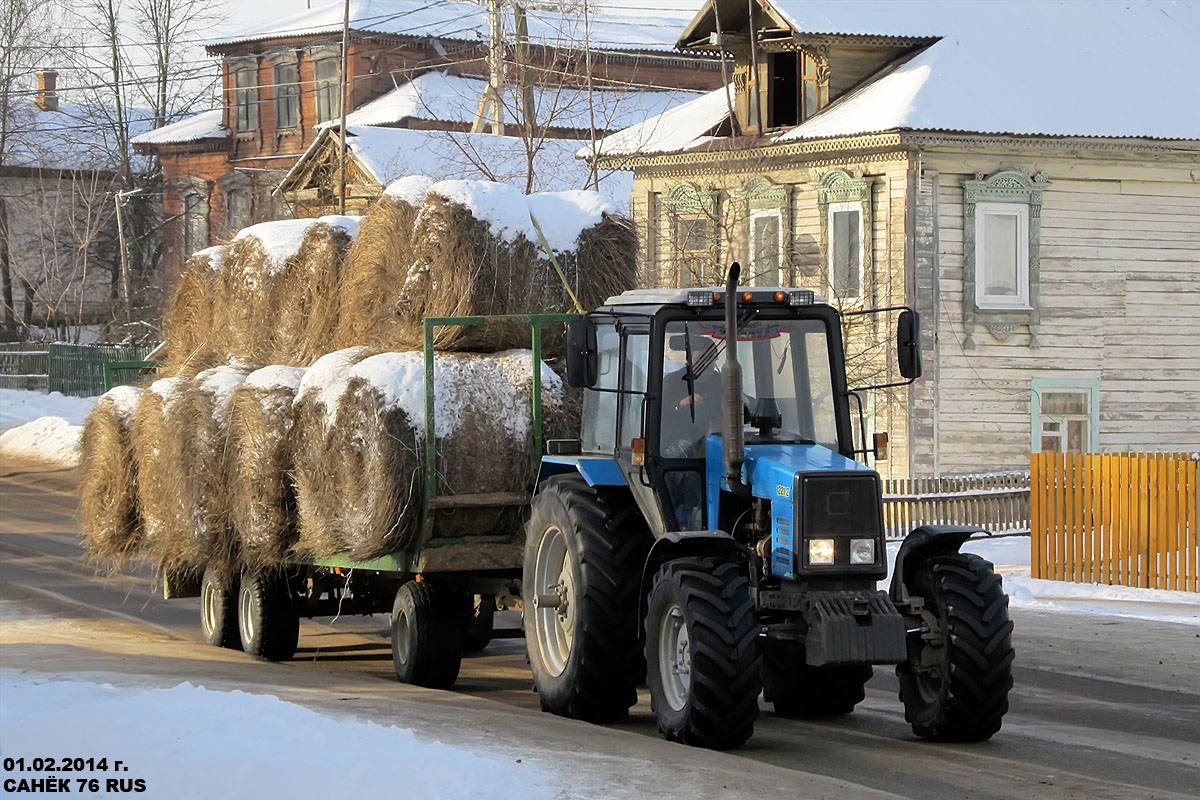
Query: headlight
x=820, y=551
x=862, y=551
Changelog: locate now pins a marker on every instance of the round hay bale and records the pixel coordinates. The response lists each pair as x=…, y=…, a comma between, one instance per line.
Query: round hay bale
x=307, y=304
x=108, y=512
x=161, y=460
x=377, y=266
x=484, y=431
x=262, y=504
x=206, y=417
x=313, y=474
x=191, y=341
x=477, y=252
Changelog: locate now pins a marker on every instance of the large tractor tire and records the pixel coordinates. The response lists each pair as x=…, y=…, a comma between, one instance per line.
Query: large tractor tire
x=800, y=690
x=955, y=683
x=584, y=552
x=702, y=653
x=218, y=609
x=427, y=636
x=268, y=624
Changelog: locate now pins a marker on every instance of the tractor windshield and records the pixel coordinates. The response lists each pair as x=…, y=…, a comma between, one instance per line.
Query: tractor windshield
x=786, y=383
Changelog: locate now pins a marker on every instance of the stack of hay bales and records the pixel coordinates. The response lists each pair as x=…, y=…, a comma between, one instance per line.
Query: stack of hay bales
x=262, y=505
x=108, y=512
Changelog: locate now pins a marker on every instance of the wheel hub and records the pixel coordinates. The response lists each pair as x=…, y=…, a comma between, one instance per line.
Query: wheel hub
x=553, y=601
x=675, y=658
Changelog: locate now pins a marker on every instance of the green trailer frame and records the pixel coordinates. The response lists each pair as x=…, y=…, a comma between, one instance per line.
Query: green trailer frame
x=428, y=553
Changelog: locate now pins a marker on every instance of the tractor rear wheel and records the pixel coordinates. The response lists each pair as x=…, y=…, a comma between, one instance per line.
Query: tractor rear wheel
x=582, y=572
x=955, y=683
x=800, y=690
x=702, y=653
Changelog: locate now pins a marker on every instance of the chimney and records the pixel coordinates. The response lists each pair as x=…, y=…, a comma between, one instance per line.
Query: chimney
x=47, y=97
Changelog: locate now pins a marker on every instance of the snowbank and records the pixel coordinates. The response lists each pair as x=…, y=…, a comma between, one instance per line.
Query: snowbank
x=18, y=407
x=42, y=427
x=264, y=746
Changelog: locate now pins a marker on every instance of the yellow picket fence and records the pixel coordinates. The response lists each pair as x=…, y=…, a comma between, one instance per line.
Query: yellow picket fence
x=1116, y=518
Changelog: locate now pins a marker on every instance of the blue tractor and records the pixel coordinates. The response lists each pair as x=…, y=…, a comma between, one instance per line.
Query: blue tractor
x=712, y=532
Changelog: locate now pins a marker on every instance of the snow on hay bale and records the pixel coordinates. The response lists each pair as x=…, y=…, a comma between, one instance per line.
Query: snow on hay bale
x=108, y=512
x=484, y=432
x=476, y=251
x=188, y=323
x=307, y=305
x=261, y=500
x=313, y=476
x=379, y=260
x=162, y=463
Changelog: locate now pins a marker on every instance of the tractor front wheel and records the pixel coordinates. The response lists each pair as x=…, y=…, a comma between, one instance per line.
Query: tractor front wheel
x=955, y=683
x=702, y=653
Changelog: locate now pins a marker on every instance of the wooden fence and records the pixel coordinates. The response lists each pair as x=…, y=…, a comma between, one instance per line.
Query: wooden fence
x=1117, y=518
x=998, y=503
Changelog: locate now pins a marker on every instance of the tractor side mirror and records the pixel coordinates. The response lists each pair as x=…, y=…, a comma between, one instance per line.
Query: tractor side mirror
x=908, y=344
x=583, y=367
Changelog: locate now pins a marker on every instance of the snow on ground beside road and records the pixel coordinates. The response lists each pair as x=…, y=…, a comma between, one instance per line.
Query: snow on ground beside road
x=1010, y=554
x=43, y=427
x=189, y=742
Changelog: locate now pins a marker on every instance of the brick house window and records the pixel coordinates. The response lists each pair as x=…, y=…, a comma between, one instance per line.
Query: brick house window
x=195, y=223
x=287, y=96
x=329, y=89
x=245, y=98
x=237, y=209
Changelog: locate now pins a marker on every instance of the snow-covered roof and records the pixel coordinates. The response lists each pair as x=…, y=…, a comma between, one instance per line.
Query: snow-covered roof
x=681, y=128
x=205, y=125
x=455, y=98
x=1063, y=68
x=612, y=25
x=72, y=137
x=391, y=153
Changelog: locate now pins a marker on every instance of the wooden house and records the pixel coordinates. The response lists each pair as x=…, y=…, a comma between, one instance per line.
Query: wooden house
x=1008, y=173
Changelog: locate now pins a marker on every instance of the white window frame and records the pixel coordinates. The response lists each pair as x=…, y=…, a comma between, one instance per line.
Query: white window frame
x=760, y=213
x=982, y=299
x=857, y=207
x=1085, y=386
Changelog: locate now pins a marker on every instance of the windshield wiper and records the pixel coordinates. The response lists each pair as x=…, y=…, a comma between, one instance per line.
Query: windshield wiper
x=713, y=351
x=687, y=373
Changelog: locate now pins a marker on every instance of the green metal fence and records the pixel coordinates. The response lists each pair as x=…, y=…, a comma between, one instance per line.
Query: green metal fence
x=78, y=369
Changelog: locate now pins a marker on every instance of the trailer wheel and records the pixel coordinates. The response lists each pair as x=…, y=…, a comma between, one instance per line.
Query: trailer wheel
x=479, y=621
x=584, y=552
x=702, y=653
x=955, y=683
x=218, y=609
x=268, y=624
x=800, y=690
x=426, y=636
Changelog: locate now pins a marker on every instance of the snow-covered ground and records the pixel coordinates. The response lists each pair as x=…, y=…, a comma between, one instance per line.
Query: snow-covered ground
x=1010, y=554
x=190, y=742
x=43, y=427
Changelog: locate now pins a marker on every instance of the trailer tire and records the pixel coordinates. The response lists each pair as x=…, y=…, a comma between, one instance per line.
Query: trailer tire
x=218, y=609
x=702, y=653
x=479, y=621
x=427, y=636
x=584, y=654
x=268, y=625
x=798, y=689
x=961, y=695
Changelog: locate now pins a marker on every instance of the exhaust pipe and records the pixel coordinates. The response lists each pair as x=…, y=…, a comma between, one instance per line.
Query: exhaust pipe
x=732, y=433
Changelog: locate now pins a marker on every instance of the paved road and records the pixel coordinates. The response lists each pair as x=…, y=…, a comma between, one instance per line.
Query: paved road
x=1102, y=708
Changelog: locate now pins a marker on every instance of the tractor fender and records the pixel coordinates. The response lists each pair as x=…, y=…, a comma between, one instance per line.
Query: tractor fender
x=677, y=544
x=923, y=543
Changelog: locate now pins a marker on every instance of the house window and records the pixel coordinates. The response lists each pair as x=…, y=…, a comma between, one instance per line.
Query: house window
x=287, y=96
x=766, y=245
x=329, y=89
x=237, y=209
x=195, y=223
x=693, y=249
x=1066, y=416
x=845, y=250
x=794, y=91
x=1002, y=255
x=245, y=98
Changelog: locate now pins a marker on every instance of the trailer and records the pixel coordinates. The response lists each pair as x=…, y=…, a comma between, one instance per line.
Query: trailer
x=712, y=531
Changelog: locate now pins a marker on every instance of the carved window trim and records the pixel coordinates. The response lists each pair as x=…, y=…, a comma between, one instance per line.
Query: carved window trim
x=838, y=186
x=761, y=194
x=682, y=202
x=1003, y=186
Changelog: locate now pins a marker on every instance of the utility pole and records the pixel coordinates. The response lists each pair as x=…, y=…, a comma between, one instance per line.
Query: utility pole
x=587, y=61
x=119, y=200
x=345, y=103
x=493, y=96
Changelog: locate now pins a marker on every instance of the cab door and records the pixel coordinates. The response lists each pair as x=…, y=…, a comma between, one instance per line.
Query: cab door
x=631, y=424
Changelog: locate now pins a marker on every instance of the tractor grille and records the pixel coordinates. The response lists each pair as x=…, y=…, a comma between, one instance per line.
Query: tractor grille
x=845, y=505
